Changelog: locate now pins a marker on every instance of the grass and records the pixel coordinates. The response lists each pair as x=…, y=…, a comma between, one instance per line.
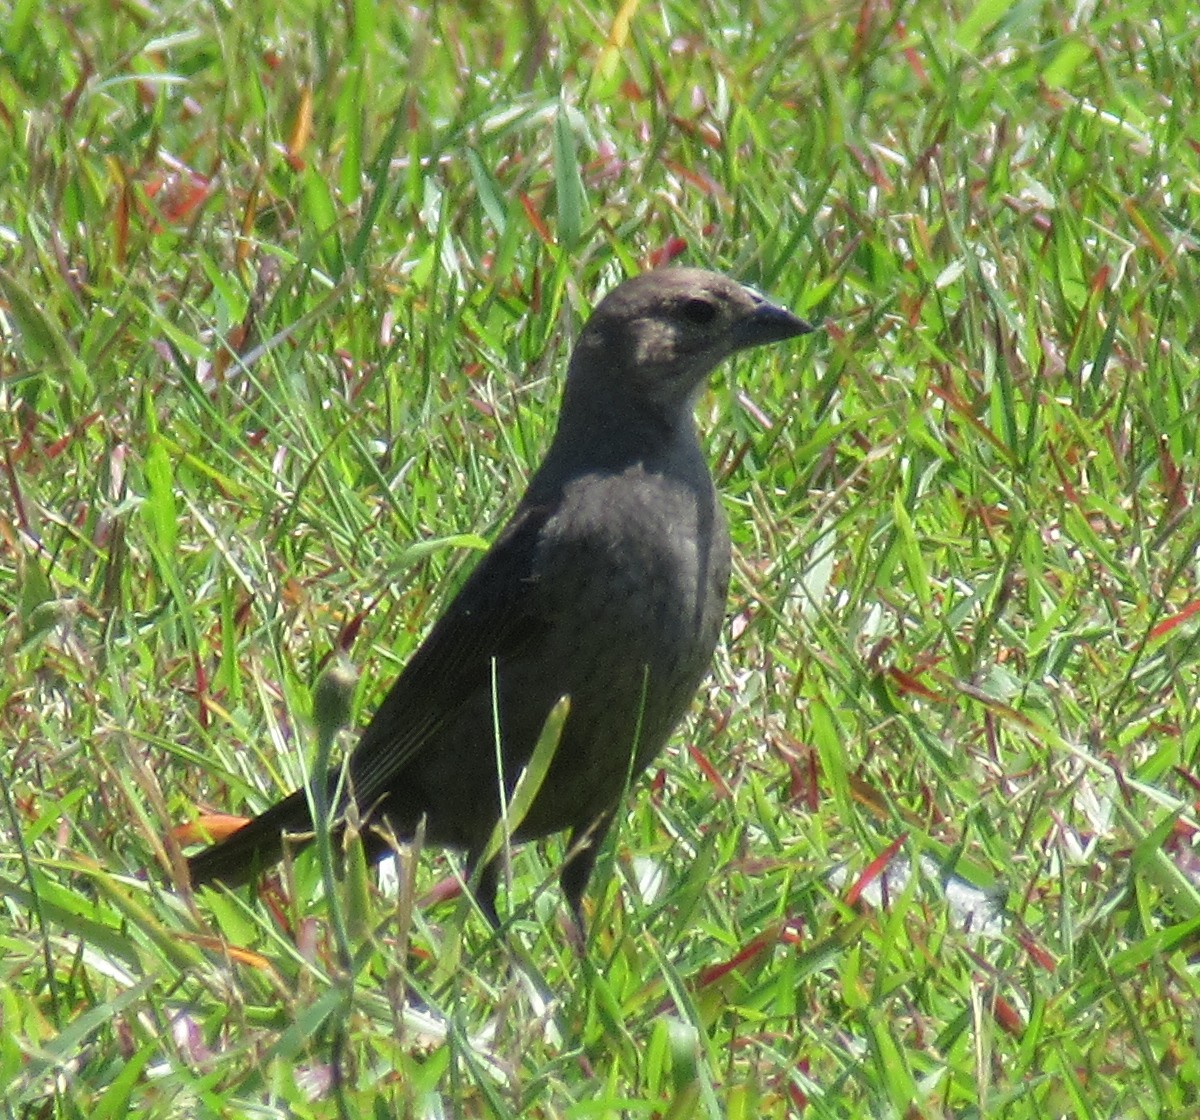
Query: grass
x=285, y=297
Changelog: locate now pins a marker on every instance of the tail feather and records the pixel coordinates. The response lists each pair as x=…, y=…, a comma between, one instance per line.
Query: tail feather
x=240, y=857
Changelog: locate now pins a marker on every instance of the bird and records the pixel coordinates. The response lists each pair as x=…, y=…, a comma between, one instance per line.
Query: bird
x=607, y=586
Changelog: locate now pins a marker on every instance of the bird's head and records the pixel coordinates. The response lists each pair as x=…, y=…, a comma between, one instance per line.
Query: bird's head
x=652, y=342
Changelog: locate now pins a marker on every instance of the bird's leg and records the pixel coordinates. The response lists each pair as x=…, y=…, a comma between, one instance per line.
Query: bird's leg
x=582, y=850
x=487, y=883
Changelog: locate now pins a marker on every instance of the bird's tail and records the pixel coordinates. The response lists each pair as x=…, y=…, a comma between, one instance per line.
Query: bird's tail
x=238, y=858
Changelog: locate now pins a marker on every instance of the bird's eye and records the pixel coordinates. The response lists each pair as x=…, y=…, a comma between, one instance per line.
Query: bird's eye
x=698, y=311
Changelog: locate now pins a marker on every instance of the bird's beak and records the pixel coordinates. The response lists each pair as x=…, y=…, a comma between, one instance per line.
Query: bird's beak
x=766, y=323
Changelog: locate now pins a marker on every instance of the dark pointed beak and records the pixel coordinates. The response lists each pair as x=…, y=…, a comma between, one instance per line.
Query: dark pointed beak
x=768, y=323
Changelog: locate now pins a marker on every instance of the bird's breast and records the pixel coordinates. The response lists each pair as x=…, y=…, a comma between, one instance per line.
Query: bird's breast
x=633, y=570
x=642, y=562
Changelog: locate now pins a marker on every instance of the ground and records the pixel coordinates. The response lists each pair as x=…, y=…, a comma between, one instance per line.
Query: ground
x=285, y=297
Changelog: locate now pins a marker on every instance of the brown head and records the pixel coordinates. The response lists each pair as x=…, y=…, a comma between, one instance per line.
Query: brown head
x=652, y=342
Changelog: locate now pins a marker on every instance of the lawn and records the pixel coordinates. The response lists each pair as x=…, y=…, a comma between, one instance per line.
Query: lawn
x=285, y=301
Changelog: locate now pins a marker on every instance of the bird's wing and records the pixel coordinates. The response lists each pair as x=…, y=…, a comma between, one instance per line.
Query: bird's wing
x=495, y=617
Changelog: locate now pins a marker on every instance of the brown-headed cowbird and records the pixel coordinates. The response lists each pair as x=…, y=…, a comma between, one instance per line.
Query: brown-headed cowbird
x=607, y=585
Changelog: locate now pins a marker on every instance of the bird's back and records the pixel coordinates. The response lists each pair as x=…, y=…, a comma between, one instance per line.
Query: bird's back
x=614, y=584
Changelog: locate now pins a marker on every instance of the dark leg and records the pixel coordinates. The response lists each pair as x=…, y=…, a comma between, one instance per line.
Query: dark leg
x=485, y=890
x=582, y=850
